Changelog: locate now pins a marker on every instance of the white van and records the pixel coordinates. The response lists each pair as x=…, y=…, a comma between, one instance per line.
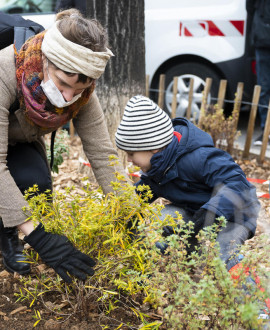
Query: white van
x=198, y=39
x=186, y=38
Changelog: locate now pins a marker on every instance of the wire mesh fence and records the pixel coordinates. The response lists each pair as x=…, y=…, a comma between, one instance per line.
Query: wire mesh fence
x=174, y=105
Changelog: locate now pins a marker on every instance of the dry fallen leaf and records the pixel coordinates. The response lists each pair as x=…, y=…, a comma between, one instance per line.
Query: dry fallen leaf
x=17, y=310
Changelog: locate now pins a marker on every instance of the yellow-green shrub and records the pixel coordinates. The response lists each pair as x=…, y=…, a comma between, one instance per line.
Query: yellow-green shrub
x=192, y=291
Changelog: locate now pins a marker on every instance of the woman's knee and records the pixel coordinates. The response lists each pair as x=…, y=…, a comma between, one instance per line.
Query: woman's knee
x=28, y=167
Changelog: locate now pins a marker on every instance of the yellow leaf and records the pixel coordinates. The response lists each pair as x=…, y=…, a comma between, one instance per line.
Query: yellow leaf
x=36, y=323
x=111, y=292
x=32, y=302
x=90, y=287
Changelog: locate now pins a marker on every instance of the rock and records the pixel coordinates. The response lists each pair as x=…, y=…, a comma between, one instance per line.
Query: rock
x=52, y=325
x=4, y=273
x=41, y=267
x=75, y=327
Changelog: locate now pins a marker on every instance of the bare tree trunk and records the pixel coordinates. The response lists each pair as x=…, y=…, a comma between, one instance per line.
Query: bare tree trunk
x=124, y=76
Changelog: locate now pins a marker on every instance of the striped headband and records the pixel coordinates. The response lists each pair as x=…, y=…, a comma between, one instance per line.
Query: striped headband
x=144, y=126
x=71, y=57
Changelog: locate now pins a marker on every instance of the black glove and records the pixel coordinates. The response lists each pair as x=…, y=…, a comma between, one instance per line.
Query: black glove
x=168, y=231
x=203, y=218
x=132, y=229
x=57, y=251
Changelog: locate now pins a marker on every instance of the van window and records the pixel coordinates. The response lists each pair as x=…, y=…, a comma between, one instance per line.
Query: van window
x=27, y=6
x=161, y=4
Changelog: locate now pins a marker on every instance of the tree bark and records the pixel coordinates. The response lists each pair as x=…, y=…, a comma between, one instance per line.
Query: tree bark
x=124, y=76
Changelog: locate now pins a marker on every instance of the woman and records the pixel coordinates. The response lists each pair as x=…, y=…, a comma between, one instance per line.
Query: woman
x=54, y=81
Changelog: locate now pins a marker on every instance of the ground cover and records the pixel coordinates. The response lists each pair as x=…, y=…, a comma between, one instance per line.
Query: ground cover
x=19, y=315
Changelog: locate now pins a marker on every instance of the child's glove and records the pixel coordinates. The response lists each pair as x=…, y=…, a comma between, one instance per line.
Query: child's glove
x=57, y=251
x=203, y=218
x=132, y=229
x=168, y=231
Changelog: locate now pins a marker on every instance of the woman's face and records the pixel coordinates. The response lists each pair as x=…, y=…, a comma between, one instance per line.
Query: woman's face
x=67, y=84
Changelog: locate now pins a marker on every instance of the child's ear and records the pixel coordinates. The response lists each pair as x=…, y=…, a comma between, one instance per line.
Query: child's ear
x=156, y=151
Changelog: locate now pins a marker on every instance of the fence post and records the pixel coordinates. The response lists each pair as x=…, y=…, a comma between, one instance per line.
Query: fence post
x=147, y=85
x=221, y=93
x=161, y=90
x=174, y=98
x=252, y=117
x=235, y=117
x=237, y=102
x=71, y=129
x=190, y=97
x=207, y=87
x=265, y=135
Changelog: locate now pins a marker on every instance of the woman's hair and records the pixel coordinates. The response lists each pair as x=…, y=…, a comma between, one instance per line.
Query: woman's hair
x=88, y=33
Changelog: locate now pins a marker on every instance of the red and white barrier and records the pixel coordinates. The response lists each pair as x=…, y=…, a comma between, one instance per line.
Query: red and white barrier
x=217, y=28
x=260, y=194
x=82, y=161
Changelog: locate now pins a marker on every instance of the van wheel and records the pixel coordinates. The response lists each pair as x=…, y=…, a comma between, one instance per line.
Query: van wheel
x=185, y=71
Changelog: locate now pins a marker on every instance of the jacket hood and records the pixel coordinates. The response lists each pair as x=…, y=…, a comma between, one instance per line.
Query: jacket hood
x=192, y=138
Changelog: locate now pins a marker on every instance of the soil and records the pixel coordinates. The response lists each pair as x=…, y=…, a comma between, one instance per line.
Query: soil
x=19, y=316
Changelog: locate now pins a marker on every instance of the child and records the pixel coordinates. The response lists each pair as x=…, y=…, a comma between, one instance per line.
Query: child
x=180, y=163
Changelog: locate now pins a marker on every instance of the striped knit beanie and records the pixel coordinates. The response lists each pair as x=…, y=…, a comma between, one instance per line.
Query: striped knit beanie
x=144, y=126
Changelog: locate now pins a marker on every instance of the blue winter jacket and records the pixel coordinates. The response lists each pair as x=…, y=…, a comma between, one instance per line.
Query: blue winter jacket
x=193, y=174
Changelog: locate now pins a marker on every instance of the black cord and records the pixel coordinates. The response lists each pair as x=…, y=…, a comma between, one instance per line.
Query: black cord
x=52, y=147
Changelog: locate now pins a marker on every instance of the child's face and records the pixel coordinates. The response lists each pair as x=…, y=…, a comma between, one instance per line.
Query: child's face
x=141, y=158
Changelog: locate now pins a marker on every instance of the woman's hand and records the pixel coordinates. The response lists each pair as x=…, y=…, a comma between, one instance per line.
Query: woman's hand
x=58, y=252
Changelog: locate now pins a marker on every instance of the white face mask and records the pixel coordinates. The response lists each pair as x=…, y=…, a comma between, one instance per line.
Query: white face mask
x=54, y=95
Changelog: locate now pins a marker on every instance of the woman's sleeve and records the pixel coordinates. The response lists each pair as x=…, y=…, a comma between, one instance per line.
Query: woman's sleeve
x=92, y=129
x=11, y=199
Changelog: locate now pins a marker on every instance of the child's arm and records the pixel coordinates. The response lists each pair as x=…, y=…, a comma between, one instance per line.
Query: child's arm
x=233, y=196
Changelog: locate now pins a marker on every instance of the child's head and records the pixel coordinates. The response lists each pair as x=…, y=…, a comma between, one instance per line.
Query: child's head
x=143, y=131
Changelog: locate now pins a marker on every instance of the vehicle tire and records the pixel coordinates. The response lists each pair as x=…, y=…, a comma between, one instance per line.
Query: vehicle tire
x=184, y=71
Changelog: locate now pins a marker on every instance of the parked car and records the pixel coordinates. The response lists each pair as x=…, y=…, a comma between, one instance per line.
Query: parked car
x=39, y=11
x=185, y=38
x=198, y=39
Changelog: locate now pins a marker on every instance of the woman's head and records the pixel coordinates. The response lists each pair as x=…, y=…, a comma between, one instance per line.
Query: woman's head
x=78, y=45
x=88, y=33
x=62, y=88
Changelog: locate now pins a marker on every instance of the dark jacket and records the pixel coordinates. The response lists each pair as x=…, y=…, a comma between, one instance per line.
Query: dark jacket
x=193, y=174
x=259, y=14
x=67, y=4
